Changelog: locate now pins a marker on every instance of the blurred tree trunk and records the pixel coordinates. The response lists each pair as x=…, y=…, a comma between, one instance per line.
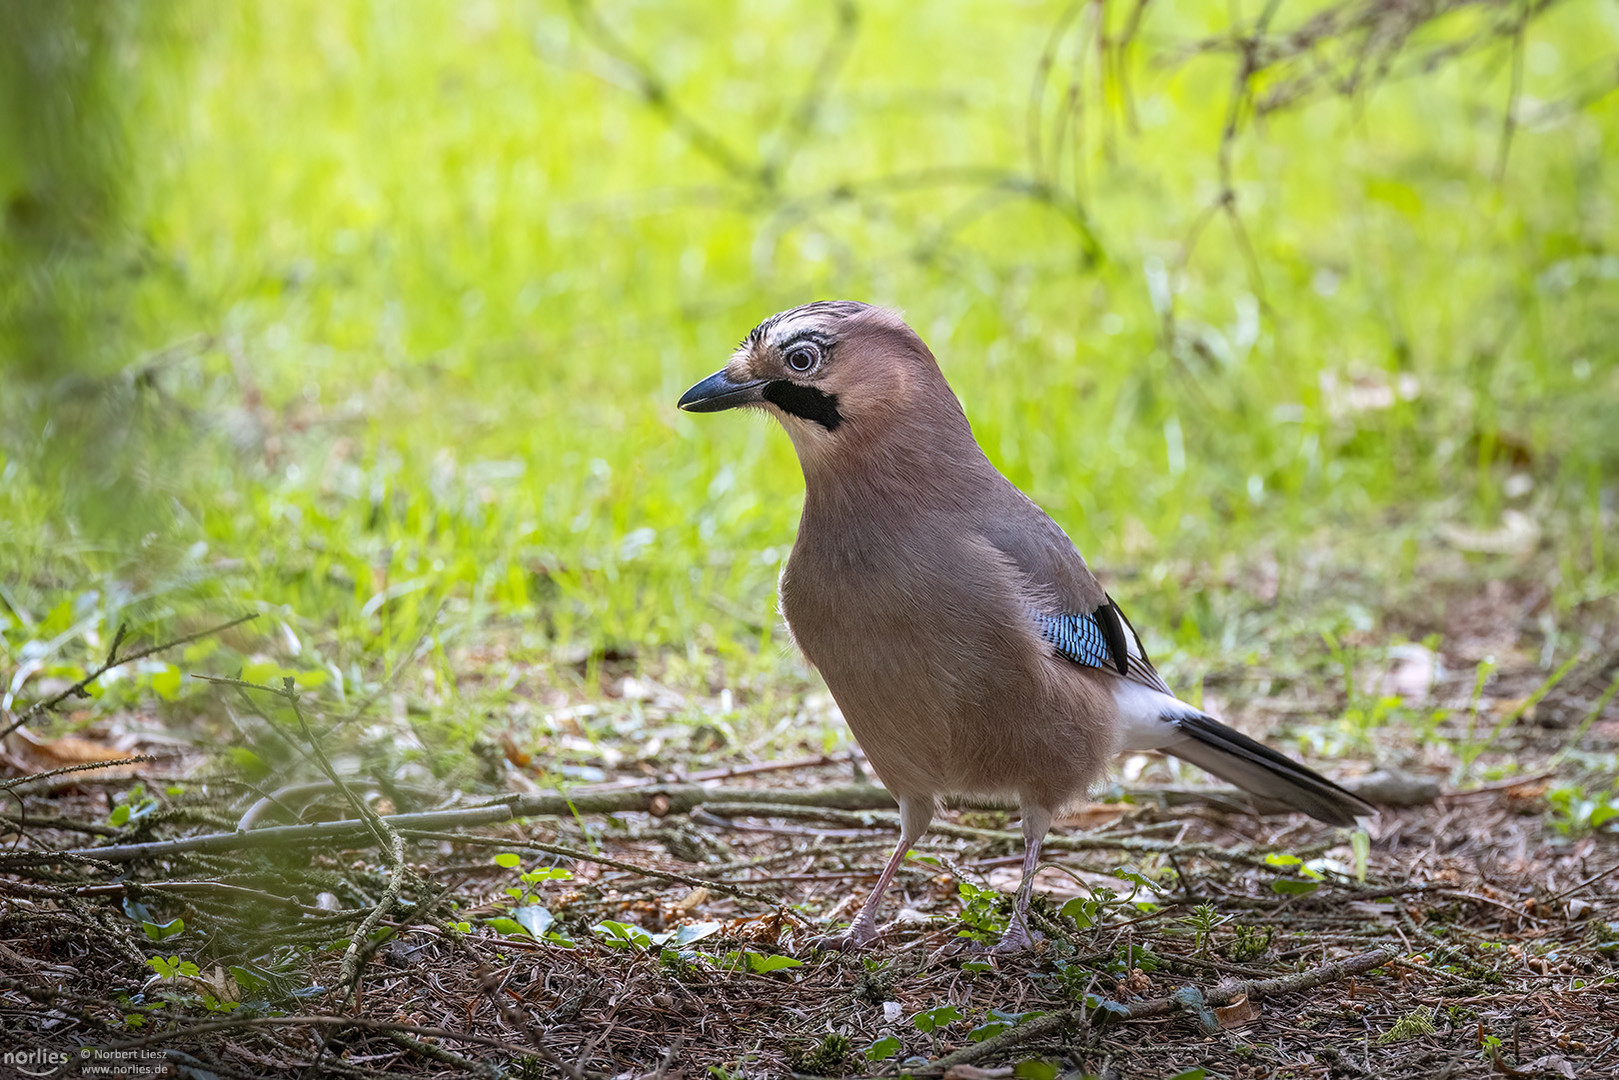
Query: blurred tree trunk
x=71, y=409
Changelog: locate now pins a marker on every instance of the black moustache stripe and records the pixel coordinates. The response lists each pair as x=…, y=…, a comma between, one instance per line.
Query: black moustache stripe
x=805, y=402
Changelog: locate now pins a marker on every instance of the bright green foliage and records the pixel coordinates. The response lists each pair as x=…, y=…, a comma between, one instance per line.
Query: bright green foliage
x=757, y=962
x=172, y=967
x=372, y=322
x=930, y=1020
x=1576, y=811
x=984, y=913
x=621, y=935
x=1412, y=1025
x=999, y=1020
x=885, y=1047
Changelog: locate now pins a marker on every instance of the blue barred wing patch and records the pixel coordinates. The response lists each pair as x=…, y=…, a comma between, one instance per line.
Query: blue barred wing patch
x=1079, y=638
x=1102, y=639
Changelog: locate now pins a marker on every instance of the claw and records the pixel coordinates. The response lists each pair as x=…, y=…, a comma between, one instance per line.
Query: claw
x=859, y=936
x=1018, y=938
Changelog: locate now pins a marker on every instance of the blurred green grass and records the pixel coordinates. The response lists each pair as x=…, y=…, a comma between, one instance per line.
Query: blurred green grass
x=405, y=295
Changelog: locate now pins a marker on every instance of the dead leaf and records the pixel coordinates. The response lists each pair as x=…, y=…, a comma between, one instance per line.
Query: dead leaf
x=46, y=754
x=1553, y=1064
x=1237, y=1013
x=515, y=754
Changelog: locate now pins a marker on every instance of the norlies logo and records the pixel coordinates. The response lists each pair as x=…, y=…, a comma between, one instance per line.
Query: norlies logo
x=92, y=1062
x=44, y=1062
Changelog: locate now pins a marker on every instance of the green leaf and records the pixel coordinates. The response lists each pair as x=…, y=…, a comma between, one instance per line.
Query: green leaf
x=159, y=931
x=1190, y=998
x=930, y=1020
x=1105, y=1007
x=690, y=932
x=507, y=859
x=249, y=980
x=1361, y=844
x=764, y=964
x=997, y=1021
x=1276, y=858
x=885, y=1047
x=1035, y=1069
x=1198, y=1073
x=166, y=683
x=1293, y=886
x=506, y=927
x=119, y=815
x=1082, y=910
x=534, y=918
x=1397, y=194
x=1136, y=878
x=622, y=935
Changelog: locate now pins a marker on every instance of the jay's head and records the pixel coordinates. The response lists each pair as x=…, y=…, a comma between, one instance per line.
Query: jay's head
x=835, y=373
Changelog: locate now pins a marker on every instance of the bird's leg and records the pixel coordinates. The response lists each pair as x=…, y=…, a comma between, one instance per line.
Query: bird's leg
x=914, y=816
x=1036, y=823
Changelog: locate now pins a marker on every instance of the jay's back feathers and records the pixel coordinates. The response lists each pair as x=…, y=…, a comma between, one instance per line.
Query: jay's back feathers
x=968, y=645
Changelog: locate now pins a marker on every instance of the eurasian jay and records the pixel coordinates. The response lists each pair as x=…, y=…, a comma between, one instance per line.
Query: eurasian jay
x=968, y=645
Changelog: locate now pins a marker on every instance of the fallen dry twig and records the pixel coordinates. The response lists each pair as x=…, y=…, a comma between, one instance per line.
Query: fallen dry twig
x=1255, y=990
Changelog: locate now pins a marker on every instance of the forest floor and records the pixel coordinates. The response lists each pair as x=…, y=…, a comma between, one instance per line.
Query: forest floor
x=1472, y=929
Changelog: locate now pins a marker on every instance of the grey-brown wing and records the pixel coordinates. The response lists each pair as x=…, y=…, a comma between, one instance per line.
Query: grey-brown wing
x=1079, y=620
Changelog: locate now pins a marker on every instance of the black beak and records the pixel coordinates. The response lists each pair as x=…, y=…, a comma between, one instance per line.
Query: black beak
x=720, y=391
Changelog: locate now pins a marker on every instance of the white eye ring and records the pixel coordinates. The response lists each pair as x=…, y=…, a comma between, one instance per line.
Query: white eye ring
x=804, y=357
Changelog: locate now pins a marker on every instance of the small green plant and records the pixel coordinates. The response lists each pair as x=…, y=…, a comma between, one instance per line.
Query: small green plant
x=1249, y=943
x=134, y=806
x=1203, y=920
x=528, y=915
x=522, y=892
x=172, y=967
x=1035, y=1069
x=829, y=1057
x=1412, y=1025
x=1575, y=811
x=997, y=1021
x=1308, y=880
x=622, y=935
x=1092, y=910
x=883, y=1048
x=1473, y=743
x=757, y=962
x=874, y=984
x=930, y=1021
x=984, y=913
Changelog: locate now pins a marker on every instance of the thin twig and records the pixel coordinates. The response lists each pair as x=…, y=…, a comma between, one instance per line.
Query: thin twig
x=84, y=766
x=1255, y=989
x=660, y=801
x=114, y=661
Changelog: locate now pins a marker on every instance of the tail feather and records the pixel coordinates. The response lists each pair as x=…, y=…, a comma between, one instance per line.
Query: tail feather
x=1259, y=770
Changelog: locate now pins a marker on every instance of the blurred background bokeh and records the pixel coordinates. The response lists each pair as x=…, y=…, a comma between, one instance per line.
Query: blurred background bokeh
x=370, y=318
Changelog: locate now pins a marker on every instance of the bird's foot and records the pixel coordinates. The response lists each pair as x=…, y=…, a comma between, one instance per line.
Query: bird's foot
x=860, y=935
x=1018, y=938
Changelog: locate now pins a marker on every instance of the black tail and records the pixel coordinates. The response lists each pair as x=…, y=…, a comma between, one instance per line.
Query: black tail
x=1259, y=770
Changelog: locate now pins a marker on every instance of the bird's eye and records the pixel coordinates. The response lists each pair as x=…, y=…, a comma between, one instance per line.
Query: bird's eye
x=804, y=357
